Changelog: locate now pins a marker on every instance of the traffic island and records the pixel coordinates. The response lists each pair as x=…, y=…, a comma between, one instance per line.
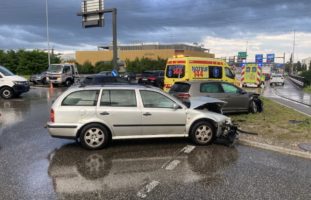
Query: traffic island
x=278, y=127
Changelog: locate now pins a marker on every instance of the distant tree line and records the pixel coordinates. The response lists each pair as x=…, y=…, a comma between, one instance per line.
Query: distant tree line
x=137, y=65
x=26, y=62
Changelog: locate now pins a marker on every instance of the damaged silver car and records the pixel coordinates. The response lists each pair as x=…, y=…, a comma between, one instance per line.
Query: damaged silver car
x=95, y=115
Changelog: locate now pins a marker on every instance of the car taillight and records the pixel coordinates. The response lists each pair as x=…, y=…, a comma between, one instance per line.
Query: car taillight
x=183, y=95
x=52, y=116
x=151, y=78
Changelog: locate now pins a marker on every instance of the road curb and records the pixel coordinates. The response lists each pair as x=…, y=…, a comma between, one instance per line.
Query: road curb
x=275, y=148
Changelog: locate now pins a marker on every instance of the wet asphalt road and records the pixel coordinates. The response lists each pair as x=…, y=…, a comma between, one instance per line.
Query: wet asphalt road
x=35, y=166
x=294, y=96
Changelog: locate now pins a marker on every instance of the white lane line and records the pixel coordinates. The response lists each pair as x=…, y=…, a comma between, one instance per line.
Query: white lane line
x=172, y=165
x=147, y=189
x=188, y=149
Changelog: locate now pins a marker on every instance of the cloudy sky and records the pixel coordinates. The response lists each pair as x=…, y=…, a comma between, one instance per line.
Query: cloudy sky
x=224, y=26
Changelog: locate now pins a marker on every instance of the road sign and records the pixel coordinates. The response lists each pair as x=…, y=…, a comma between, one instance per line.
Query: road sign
x=93, y=15
x=270, y=58
x=242, y=55
x=259, y=58
x=114, y=72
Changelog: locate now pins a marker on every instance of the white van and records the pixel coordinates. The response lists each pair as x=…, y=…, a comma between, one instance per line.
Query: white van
x=11, y=85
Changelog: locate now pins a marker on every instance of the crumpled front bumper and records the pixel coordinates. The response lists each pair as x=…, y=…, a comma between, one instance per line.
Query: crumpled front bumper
x=228, y=131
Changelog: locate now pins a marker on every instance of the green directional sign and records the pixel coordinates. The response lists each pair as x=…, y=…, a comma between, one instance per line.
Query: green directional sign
x=242, y=55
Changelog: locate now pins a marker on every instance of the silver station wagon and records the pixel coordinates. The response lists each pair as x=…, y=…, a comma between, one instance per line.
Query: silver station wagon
x=94, y=115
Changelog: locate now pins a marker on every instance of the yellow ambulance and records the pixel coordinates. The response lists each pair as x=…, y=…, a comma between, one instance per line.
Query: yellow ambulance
x=197, y=68
x=252, y=76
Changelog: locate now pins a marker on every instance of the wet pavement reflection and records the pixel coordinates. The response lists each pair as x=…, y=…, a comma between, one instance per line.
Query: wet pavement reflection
x=126, y=168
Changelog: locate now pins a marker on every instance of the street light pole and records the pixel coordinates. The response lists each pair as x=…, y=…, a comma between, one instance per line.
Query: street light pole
x=47, y=31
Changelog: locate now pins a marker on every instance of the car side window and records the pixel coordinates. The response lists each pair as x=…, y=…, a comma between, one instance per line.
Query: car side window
x=229, y=73
x=155, y=100
x=248, y=69
x=81, y=98
x=118, y=98
x=229, y=88
x=210, y=88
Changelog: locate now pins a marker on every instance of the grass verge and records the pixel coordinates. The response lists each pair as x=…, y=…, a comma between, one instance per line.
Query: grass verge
x=276, y=125
x=307, y=89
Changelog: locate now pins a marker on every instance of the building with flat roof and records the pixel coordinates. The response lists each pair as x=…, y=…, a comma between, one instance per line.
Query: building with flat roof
x=307, y=62
x=143, y=50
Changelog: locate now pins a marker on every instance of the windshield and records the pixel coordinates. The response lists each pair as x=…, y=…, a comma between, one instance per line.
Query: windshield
x=55, y=68
x=5, y=71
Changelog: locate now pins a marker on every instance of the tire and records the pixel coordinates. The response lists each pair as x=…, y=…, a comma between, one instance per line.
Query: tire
x=44, y=81
x=68, y=82
x=252, y=107
x=94, y=136
x=202, y=133
x=6, y=93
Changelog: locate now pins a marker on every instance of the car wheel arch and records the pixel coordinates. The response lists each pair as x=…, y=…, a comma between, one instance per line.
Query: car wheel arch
x=202, y=120
x=107, y=127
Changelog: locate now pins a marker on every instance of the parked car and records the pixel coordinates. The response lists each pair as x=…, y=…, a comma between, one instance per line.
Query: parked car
x=238, y=100
x=39, y=78
x=66, y=74
x=130, y=76
x=96, y=114
x=106, y=73
x=101, y=79
x=152, y=77
x=12, y=85
x=277, y=79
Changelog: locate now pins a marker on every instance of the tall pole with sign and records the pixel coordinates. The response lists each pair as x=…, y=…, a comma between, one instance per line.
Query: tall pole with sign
x=92, y=12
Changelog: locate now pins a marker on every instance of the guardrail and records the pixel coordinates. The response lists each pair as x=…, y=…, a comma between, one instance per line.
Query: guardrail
x=299, y=80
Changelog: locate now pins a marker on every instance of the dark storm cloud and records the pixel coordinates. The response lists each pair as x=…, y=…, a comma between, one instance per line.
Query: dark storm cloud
x=23, y=25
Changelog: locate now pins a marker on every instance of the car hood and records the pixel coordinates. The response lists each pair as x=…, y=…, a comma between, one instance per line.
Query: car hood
x=15, y=78
x=196, y=102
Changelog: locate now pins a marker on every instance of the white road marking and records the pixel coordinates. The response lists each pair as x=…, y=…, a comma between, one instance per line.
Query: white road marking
x=172, y=165
x=188, y=149
x=147, y=189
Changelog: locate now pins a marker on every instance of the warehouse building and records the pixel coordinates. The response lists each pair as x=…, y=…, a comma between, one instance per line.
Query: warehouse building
x=144, y=50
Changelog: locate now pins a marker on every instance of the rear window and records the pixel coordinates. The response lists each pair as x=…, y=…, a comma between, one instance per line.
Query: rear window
x=254, y=69
x=180, y=87
x=277, y=76
x=175, y=71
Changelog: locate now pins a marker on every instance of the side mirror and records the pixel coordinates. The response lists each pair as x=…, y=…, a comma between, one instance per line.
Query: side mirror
x=176, y=106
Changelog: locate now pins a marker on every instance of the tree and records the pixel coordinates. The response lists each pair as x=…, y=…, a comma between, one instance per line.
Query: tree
x=26, y=62
x=143, y=64
x=103, y=66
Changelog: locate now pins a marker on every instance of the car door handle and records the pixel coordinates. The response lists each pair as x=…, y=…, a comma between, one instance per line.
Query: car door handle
x=104, y=113
x=147, y=114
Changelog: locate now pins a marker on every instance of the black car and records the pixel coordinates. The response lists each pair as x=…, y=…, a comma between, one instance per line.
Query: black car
x=102, y=79
x=130, y=76
x=38, y=78
x=152, y=77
